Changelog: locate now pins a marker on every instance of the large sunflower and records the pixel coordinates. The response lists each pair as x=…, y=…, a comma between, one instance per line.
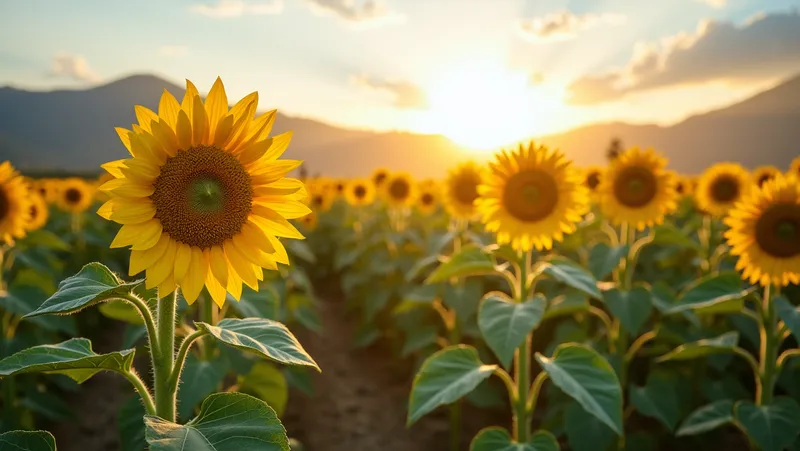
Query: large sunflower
x=359, y=192
x=399, y=189
x=204, y=196
x=531, y=197
x=461, y=189
x=379, y=177
x=721, y=186
x=763, y=174
x=428, y=198
x=765, y=232
x=75, y=195
x=38, y=211
x=15, y=204
x=637, y=190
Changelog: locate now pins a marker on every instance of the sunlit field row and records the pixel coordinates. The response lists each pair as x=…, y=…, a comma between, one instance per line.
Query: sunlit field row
x=624, y=307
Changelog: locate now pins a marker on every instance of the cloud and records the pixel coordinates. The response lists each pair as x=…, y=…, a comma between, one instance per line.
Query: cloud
x=765, y=46
x=237, y=8
x=715, y=3
x=72, y=66
x=562, y=25
x=367, y=12
x=174, y=50
x=407, y=95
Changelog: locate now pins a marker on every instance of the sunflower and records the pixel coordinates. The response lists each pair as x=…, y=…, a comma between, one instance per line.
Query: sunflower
x=320, y=197
x=461, y=189
x=47, y=188
x=637, y=190
x=204, y=196
x=38, y=211
x=721, y=186
x=428, y=198
x=15, y=204
x=339, y=186
x=360, y=192
x=591, y=178
x=762, y=174
x=531, y=197
x=684, y=186
x=765, y=232
x=399, y=189
x=794, y=167
x=379, y=176
x=310, y=221
x=75, y=195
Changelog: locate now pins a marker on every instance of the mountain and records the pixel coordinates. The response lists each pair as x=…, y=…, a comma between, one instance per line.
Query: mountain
x=73, y=131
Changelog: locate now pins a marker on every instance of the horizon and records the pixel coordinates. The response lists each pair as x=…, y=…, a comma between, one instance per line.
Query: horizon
x=549, y=68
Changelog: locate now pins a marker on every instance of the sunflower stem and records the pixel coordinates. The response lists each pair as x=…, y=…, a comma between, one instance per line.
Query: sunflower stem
x=522, y=374
x=768, y=356
x=208, y=317
x=164, y=359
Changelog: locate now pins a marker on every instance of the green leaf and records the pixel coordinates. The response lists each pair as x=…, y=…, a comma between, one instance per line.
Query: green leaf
x=669, y=234
x=264, y=337
x=375, y=301
x=445, y=377
x=301, y=250
x=27, y=441
x=789, y=314
x=585, y=432
x=772, y=427
x=573, y=275
x=45, y=238
x=419, y=266
x=603, y=259
x=199, y=379
x=657, y=399
x=567, y=304
x=121, y=311
x=498, y=439
x=73, y=358
x=227, y=422
x=418, y=338
x=464, y=298
x=264, y=303
x=304, y=311
x=587, y=377
x=632, y=308
x=94, y=283
x=22, y=300
x=707, y=346
x=504, y=323
x=299, y=377
x=471, y=260
x=130, y=424
x=268, y=384
x=708, y=291
x=706, y=418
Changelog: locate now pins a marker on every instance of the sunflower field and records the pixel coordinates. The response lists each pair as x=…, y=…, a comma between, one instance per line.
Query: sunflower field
x=527, y=304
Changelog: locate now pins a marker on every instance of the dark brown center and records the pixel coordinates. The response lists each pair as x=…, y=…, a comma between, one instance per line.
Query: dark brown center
x=680, y=188
x=778, y=230
x=318, y=200
x=34, y=212
x=73, y=195
x=379, y=178
x=765, y=177
x=360, y=191
x=592, y=180
x=4, y=204
x=339, y=187
x=203, y=196
x=43, y=191
x=466, y=188
x=724, y=189
x=635, y=187
x=399, y=189
x=427, y=199
x=531, y=195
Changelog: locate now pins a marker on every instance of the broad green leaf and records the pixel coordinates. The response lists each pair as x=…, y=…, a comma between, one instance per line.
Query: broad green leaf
x=498, y=439
x=632, y=308
x=706, y=418
x=299, y=377
x=585, y=432
x=567, y=304
x=657, y=399
x=27, y=441
x=504, y=323
x=264, y=337
x=710, y=290
x=121, y=311
x=303, y=310
x=419, y=267
x=268, y=384
x=264, y=303
x=227, y=422
x=199, y=379
x=47, y=405
x=22, y=300
x=603, y=259
x=488, y=394
x=573, y=275
x=375, y=301
x=669, y=234
x=587, y=377
x=94, y=283
x=707, y=346
x=301, y=250
x=789, y=314
x=464, y=298
x=73, y=358
x=471, y=260
x=418, y=338
x=365, y=335
x=772, y=427
x=445, y=377
x=45, y=238
x=130, y=424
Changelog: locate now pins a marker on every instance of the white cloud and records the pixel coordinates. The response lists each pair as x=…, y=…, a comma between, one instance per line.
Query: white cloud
x=715, y=3
x=174, y=50
x=367, y=12
x=72, y=66
x=237, y=8
x=406, y=95
x=562, y=25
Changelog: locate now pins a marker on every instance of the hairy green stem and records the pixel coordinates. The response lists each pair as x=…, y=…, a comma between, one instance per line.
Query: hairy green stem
x=147, y=315
x=141, y=388
x=208, y=317
x=536, y=388
x=768, y=355
x=522, y=374
x=180, y=361
x=164, y=360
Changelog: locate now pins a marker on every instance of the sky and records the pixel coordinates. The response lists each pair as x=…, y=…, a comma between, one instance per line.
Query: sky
x=482, y=72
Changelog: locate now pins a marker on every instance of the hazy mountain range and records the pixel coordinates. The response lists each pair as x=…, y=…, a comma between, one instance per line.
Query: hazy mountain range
x=73, y=131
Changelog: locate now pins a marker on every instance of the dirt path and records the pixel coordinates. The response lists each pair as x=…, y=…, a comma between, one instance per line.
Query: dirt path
x=360, y=398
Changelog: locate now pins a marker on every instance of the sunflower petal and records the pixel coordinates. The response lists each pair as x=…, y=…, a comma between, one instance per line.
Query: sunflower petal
x=123, y=136
x=126, y=211
x=140, y=236
x=168, y=108
x=195, y=277
x=125, y=188
x=272, y=171
x=289, y=209
x=141, y=260
x=187, y=104
x=113, y=168
x=273, y=223
x=183, y=258
x=234, y=285
x=241, y=265
x=163, y=267
x=218, y=263
x=184, y=130
x=215, y=289
x=145, y=116
x=216, y=105
x=199, y=123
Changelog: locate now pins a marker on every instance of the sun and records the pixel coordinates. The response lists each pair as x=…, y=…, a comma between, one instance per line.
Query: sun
x=484, y=106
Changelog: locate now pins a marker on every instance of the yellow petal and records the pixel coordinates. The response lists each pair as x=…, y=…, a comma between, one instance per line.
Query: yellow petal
x=163, y=267
x=195, y=278
x=242, y=105
x=240, y=128
x=282, y=187
x=234, y=285
x=253, y=255
x=183, y=257
x=216, y=105
x=139, y=170
x=272, y=223
x=279, y=145
x=253, y=152
x=113, y=167
x=215, y=289
x=289, y=209
x=125, y=188
x=140, y=236
x=218, y=263
x=281, y=256
x=184, y=131
x=123, y=136
x=146, y=148
x=187, y=104
x=256, y=237
x=168, y=108
x=141, y=260
x=272, y=171
x=166, y=138
x=199, y=123
x=167, y=286
x=127, y=211
x=261, y=127
x=241, y=265
x=145, y=116
x=223, y=132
